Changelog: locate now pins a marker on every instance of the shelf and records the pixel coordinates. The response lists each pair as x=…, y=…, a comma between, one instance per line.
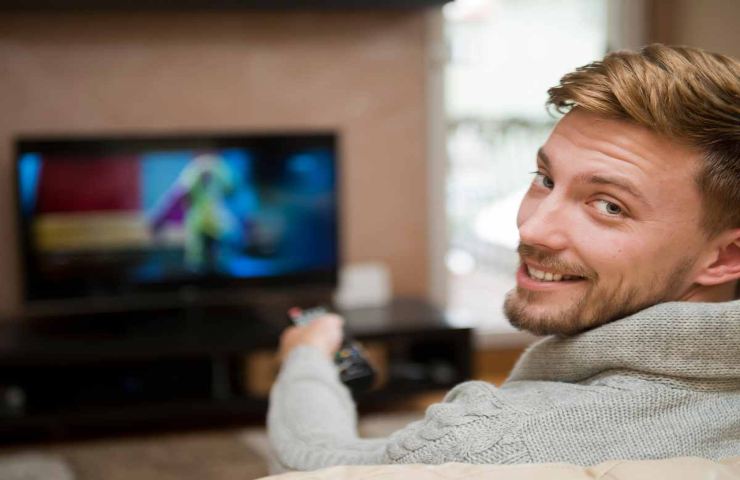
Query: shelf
x=101, y=421
x=92, y=375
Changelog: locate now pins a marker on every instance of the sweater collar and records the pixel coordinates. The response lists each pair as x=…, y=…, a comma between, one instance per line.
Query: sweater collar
x=684, y=340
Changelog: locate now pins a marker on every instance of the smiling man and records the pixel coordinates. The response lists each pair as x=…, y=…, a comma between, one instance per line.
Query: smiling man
x=630, y=260
x=612, y=224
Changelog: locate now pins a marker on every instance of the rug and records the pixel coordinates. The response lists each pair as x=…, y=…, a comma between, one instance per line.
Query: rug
x=226, y=454
x=34, y=466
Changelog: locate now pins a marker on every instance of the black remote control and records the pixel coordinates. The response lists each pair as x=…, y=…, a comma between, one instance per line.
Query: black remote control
x=354, y=369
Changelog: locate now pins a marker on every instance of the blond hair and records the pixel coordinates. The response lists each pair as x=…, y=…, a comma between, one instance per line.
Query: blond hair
x=684, y=93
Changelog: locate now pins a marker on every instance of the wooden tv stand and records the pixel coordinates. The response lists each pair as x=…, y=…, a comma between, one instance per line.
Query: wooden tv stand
x=181, y=368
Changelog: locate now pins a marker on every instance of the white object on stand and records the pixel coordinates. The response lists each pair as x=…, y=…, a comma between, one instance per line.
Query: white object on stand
x=363, y=285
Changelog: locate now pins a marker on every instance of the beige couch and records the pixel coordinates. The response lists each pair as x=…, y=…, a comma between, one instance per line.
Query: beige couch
x=672, y=469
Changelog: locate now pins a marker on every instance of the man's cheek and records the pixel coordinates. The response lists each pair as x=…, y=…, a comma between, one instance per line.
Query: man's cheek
x=617, y=255
x=642, y=250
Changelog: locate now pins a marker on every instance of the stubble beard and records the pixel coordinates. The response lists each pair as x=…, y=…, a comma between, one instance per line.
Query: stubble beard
x=599, y=305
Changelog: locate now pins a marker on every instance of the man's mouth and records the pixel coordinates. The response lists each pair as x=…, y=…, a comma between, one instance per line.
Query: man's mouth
x=550, y=276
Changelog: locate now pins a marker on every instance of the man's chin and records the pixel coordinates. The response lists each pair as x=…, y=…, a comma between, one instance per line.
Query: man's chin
x=542, y=318
x=566, y=312
x=566, y=319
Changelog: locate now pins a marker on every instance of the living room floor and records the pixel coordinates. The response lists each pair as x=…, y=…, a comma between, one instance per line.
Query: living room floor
x=230, y=453
x=209, y=455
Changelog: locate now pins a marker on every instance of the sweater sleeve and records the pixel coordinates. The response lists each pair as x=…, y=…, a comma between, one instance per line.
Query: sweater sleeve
x=312, y=421
x=472, y=425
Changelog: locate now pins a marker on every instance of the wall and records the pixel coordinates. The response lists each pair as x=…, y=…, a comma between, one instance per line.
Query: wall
x=361, y=73
x=709, y=24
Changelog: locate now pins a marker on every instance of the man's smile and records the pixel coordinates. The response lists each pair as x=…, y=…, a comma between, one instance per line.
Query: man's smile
x=533, y=277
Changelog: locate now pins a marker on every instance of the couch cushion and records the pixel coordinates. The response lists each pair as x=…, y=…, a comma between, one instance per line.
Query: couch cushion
x=669, y=469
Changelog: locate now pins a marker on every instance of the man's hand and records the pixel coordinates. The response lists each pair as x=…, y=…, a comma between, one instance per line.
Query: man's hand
x=324, y=333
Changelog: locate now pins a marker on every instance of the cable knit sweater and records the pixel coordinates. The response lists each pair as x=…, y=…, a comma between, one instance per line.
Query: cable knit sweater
x=663, y=382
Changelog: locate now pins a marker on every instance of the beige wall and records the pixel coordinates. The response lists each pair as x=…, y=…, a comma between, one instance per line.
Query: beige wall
x=708, y=24
x=361, y=73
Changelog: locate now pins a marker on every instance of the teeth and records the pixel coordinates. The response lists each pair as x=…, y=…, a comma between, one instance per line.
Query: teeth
x=538, y=274
x=547, y=276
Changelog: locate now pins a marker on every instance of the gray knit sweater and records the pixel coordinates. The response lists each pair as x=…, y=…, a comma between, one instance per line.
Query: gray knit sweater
x=661, y=383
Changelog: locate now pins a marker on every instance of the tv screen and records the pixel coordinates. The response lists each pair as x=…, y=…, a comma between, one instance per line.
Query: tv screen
x=104, y=217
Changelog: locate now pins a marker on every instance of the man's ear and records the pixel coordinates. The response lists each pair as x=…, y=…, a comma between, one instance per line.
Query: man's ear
x=724, y=264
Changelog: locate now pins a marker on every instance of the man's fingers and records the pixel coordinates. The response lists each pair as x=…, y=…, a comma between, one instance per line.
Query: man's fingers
x=289, y=332
x=324, y=332
x=330, y=319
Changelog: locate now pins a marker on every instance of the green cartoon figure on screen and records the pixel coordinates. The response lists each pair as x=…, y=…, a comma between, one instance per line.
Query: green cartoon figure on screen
x=197, y=198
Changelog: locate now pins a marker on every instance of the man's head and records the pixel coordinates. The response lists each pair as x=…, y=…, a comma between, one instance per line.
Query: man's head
x=636, y=199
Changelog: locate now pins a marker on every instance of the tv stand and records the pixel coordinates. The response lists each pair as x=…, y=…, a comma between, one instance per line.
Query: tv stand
x=83, y=375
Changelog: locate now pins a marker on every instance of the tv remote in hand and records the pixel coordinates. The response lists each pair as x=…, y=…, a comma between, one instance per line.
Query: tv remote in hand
x=354, y=369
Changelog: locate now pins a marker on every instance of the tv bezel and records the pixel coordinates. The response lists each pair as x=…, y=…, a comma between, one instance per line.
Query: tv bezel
x=36, y=292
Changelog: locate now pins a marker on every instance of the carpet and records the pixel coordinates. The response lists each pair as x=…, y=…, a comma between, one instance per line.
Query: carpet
x=33, y=466
x=227, y=454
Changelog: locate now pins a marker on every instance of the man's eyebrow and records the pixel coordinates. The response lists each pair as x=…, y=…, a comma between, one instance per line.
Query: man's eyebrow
x=545, y=159
x=620, y=183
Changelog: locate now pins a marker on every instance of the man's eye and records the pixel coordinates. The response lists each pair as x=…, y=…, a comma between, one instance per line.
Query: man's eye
x=543, y=180
x=608, y=208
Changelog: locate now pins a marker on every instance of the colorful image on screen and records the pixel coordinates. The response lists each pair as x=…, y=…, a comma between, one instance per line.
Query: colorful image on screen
x=173, y=215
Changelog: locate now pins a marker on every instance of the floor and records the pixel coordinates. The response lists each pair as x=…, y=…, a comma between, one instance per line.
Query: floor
x=212, y=455
x=231, y=454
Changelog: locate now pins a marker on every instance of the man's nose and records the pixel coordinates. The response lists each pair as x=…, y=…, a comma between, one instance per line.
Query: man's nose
x=545, y=224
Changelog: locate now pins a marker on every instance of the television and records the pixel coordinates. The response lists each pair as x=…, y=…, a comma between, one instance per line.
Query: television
x=142, y=216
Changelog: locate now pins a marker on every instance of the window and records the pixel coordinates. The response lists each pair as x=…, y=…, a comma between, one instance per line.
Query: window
x=504, y=55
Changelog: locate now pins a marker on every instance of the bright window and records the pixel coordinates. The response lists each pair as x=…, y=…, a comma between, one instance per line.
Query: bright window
x=504, y=55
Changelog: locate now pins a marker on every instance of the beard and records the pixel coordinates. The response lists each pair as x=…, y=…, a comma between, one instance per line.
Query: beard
x=599, y=304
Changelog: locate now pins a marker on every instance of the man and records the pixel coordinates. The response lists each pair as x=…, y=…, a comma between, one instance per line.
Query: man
x=630, y=260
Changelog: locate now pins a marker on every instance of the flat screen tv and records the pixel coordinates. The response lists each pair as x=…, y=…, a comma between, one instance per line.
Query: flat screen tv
x=113, y=217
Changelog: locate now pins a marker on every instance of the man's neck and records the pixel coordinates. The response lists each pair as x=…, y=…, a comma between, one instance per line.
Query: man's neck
x=715, y=293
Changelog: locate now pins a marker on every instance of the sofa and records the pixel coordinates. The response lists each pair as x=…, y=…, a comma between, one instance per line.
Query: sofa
x=693, y=468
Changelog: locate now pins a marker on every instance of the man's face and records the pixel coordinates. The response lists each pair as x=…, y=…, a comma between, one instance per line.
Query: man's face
x=609, y=226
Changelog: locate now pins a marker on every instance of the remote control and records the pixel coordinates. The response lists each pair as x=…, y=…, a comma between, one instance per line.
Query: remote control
x=354, y=369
